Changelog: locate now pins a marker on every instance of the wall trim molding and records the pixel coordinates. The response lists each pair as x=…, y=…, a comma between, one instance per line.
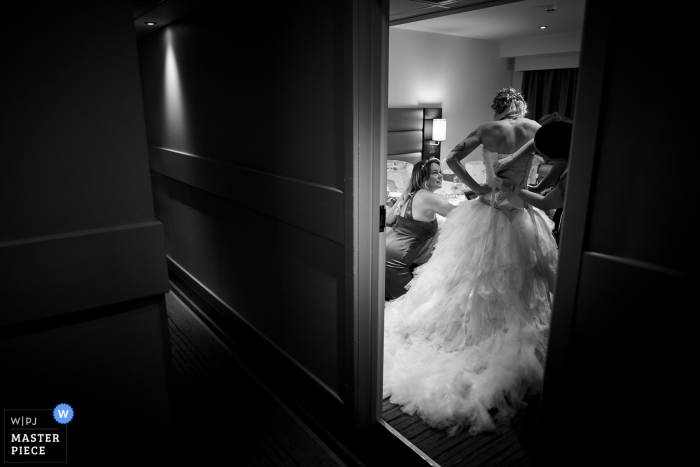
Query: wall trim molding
x=297, y=202
x=546, y=62
x=222, y=307
x=635, y=263
x=246, y=169
x=48, y=276
x=539, y=45
x=78, y=233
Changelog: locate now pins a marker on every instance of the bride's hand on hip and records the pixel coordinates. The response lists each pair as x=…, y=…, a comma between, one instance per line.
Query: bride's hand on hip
x=483, y=190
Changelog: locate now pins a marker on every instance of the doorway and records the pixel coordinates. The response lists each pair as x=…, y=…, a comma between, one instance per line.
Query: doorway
x=423, y=83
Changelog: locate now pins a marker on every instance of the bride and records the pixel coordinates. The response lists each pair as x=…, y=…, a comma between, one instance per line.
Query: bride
x=466, y=343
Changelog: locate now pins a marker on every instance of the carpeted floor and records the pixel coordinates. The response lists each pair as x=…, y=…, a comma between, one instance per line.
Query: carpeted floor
x=502, y=447
x=220, y=413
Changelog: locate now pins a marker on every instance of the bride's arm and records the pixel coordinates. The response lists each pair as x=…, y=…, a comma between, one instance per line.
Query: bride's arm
x=462, y=150
x=507, y=162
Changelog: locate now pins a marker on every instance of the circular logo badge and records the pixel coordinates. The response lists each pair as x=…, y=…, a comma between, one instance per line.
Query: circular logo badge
x=63, y=413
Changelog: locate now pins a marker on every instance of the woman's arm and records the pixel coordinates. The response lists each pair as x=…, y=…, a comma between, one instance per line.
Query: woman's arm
x=438, y=204
x=507, y=162
x=557, y=169
x=462, y=150
x=553, y=200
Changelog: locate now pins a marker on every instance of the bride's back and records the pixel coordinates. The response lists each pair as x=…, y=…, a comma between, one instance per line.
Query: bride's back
x=508, y=135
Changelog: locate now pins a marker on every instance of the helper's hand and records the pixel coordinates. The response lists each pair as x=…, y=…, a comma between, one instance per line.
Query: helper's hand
x=503, y=184
x=503, y=164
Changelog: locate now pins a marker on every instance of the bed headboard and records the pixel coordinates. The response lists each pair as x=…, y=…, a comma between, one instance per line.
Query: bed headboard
x=410, y=131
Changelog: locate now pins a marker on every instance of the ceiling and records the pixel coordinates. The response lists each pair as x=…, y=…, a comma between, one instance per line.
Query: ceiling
x=495, y=20
x=161, y=12
x=514, y=19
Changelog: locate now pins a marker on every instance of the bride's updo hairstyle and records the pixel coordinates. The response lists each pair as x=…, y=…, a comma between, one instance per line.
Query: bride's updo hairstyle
x=419, y=177
x=554, y=139
x=508, y=102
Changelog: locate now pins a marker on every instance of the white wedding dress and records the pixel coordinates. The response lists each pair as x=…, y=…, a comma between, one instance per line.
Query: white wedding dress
x=470, y=334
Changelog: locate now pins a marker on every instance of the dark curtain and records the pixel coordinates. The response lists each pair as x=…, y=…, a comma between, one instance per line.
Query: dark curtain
x=548, y=91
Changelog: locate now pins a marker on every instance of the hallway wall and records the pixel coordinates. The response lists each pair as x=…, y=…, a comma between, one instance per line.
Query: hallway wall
x=82, y=257
x=245, y=136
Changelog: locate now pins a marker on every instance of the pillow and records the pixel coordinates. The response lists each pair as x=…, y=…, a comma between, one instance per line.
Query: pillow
x=398, y=176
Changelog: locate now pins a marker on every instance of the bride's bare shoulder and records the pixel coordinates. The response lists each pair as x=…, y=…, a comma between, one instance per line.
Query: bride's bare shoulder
x=529, y=123
x=527, y=128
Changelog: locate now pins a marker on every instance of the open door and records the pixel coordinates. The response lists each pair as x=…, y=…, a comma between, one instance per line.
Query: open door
x=618, y=341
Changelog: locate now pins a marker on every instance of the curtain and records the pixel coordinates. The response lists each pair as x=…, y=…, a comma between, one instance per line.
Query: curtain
x=548, y=91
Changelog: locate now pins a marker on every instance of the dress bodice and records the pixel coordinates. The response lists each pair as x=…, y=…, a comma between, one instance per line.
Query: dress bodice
x=409, y=244
x=517, y=173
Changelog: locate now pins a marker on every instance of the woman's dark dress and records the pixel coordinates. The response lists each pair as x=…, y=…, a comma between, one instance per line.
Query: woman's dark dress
x=410, y=244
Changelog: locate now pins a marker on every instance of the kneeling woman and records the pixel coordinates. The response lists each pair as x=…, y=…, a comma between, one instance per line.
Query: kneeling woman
x=411, y=241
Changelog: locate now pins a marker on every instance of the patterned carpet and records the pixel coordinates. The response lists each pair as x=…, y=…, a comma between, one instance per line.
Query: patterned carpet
x=503, y=447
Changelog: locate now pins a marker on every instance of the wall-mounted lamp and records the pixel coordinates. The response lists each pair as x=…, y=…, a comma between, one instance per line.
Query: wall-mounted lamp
x=439, y=131
x=150, y=23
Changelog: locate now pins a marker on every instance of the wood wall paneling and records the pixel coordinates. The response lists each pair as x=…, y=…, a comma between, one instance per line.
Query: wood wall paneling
x=275, y=107
x=78, y=228
x=251, y=155
x=312, y=207
x=285, y=281
x=48, y=276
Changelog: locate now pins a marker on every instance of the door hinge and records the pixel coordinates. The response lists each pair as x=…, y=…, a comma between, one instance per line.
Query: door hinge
x=382, y=218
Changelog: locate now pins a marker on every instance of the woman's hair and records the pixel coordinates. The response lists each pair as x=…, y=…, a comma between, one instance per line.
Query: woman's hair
x=509, y=102
x=554, y=139
x=551, y=118
x=419, y=177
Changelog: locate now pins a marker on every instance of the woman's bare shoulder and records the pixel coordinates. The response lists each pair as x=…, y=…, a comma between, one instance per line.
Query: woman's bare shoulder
x=423, y=196
x=428, y=198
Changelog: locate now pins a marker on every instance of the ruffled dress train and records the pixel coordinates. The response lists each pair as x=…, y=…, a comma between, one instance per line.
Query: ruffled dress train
x=470, y=334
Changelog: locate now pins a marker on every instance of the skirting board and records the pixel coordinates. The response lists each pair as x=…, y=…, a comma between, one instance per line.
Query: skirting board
x=224, y=309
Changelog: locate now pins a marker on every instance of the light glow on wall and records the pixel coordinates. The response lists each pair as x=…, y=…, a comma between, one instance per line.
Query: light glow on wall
x=176, y=129
x=428, y=96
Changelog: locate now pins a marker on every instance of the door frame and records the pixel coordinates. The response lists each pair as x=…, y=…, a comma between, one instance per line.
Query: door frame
x=585, y=144
x=370, y=62
x=365, y=188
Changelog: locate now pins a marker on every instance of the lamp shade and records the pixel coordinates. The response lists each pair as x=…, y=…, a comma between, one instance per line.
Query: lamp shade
x=439, y=129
